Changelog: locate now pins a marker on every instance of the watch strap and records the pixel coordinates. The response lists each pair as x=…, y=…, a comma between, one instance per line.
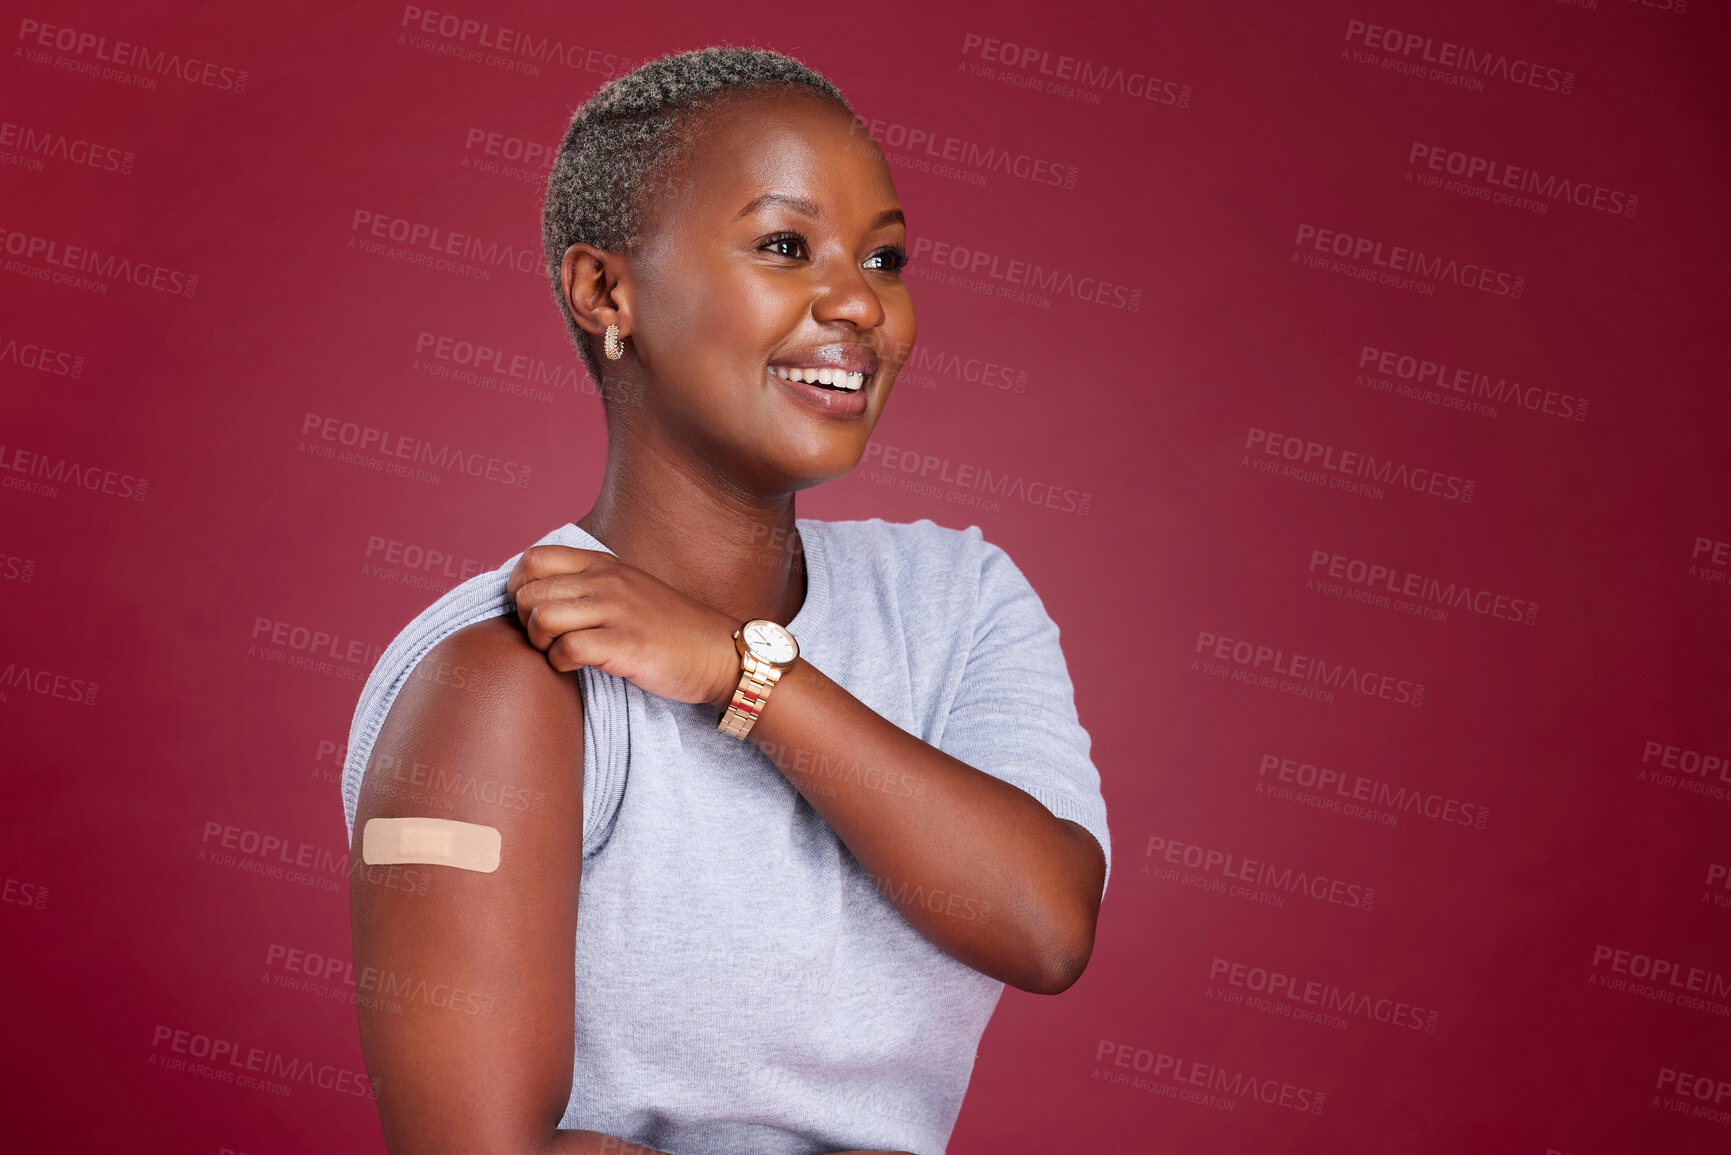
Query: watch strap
x=756, y=680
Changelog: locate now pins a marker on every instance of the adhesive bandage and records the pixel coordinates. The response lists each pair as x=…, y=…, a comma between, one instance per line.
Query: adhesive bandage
x=434, y=841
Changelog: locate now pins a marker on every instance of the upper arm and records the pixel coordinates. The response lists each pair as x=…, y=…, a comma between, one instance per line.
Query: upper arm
x=1014, y=713
x=466, y=990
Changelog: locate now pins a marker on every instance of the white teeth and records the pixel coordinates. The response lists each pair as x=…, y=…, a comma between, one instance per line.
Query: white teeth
x=837, y=378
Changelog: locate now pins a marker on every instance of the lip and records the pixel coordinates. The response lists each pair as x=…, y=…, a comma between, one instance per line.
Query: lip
x=854, y=358
x=822, y=400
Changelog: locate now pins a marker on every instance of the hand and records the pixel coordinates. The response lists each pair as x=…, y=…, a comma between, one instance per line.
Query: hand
x=585, y=607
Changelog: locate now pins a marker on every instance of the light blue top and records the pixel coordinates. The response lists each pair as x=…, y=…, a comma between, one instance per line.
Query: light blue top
x=743, y=986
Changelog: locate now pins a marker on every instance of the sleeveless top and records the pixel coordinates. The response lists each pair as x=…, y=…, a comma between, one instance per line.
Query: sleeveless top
x=743, y=986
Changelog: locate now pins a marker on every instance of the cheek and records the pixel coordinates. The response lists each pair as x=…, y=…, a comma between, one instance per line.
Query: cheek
x=900, y=326
x=758, y=310
x=903, y=316
x=726, y=317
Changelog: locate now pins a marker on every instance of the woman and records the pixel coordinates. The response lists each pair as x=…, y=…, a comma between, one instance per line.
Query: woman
x=789, y=941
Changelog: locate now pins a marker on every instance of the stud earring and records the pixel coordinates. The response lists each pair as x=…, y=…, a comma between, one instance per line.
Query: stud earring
x=611, y=344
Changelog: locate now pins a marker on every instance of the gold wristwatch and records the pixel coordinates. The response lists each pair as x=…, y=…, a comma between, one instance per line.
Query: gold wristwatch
x=766, y=650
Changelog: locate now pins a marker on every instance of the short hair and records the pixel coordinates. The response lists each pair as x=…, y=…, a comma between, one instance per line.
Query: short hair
x=625, y=134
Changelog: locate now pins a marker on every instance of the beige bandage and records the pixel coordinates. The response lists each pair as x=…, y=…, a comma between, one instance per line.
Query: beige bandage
x=433, y=841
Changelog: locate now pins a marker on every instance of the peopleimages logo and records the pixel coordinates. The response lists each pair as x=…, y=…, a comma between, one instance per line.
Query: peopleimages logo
x=436, y=241
x=1066, y=70
x=1418, y=51
x=1709, y=560
x=1169, y=1073
x=35, y=143
x=927, y=362
x=1324, y=997
x=1666, y=979
x=48, y=473
x=47, y=683
x=123, y=54
x=984, y=267
x=1375, y=579
x=1703, y=1087
x=1351, y=463
x=109, y=267
x=1231, y=867
x=1358, y=788
x=411, y=558
x=1400, y=259
x=501, y=146
x=332, y=976
x=232, y=1062
x=921, y=467
x=1690, y=762
x=474, y=40
x=307, y=640
x=1268, y=664
x=1700, y=1096
x=484, y=358
x=404, y=451
x=931, y=147
x=1499, y=178
x=1427, y=379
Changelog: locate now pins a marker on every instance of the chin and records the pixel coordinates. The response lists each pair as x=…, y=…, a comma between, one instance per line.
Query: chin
x=819, y=468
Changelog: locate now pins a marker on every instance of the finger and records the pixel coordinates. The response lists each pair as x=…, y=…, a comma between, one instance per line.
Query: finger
x=558, y=587
x=539, y=561
x=582, y=647
x=545, y=622
x=549, y=591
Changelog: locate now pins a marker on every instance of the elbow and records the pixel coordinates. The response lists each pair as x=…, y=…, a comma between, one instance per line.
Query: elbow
x=1060, y=960
x=1060, y=973
x=506, y=1143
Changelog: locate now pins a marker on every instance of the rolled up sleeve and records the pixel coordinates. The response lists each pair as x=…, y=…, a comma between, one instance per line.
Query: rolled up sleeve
x=1014, y=713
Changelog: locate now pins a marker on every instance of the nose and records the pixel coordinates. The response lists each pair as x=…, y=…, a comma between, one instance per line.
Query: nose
x=846, y=294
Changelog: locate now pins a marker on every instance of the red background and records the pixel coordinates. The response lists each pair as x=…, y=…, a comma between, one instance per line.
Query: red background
x=123, y=917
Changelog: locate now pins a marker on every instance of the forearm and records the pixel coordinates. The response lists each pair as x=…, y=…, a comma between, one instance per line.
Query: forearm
x=594, y=1143
x=978, y=866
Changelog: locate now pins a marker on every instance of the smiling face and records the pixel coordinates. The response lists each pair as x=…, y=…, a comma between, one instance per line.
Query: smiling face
x=771, y=252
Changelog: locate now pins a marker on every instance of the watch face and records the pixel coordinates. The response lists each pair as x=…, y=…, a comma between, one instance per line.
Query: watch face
x=769, y=642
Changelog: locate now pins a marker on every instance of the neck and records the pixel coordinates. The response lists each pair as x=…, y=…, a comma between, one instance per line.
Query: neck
x=709, y=539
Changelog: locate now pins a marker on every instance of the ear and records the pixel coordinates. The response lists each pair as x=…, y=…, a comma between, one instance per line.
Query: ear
x=596, y=288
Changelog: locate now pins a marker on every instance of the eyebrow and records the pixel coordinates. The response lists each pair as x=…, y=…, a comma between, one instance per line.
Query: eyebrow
x=811, y=208
x=797, y=204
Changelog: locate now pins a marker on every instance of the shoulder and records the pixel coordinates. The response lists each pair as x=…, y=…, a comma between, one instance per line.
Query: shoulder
x=895, y=536
x=483, y=691
x=463, y=656
x=486, y=740
x=490, y=668
x=896, y=551
x=475, y=600
x=939, y=561
x=478, y=597
x=467, y=652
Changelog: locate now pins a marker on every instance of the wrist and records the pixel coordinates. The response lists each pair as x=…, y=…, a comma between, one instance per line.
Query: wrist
x=765, y=651
x=732, y=666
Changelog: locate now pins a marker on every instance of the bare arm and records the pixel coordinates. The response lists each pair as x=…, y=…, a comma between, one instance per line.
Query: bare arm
x=468, y=1023
x=969, y=843
x=976, y=864
x=470, y=987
